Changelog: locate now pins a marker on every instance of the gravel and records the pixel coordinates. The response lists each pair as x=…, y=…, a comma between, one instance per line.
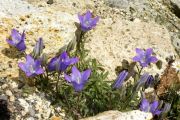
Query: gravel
x=17, y=105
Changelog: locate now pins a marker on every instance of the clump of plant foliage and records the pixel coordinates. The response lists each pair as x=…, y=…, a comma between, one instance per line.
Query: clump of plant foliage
x=79, y=84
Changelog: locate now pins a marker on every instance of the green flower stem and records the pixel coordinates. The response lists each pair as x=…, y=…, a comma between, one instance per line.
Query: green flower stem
x=47, y=73
x=79, y=42
x=78, y=102
x=24, y=53
x=139, y=70
x=57, y=83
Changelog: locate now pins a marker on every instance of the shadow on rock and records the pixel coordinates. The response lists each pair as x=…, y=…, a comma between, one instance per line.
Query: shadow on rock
x=12, y=53
x=4, y=111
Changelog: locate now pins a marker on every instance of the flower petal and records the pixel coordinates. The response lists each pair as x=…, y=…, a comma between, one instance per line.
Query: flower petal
x=52, y=64
x=152, y=59
x=21, y=46
x=157, y=112
x=139, y=51
x=16, y=36
x=122, y=76
x=64, y=55
x=87, y=16
x=149, y=51
x=94, y=21
x=22, y=66
x=144, y=64
x=78, y=87
x=75, y=72
x=29, y=74
x=74, y=60
x=10, y=42
x=62, y=66
x=67, y=77
x=29, y=59
x=39, y=71
x=154, y=106
x=137, y=58
x=144, y=105
x=85, y=75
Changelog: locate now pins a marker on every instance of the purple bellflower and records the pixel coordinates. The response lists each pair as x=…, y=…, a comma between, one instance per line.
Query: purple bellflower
x=142, y=81
x=87, y=22
x=144, y=57
x=166, y=108
x=150, y=107
x=149, y=81
x=31, y=67
x=38, y=49
x=61, y=62
x=120, y=79
x=17, y=40
x=78, y=79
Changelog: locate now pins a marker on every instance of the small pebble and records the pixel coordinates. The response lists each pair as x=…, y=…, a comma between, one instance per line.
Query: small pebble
x=8, y=93
x=4, y=86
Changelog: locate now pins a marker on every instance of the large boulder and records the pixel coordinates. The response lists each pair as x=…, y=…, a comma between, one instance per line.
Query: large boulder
x=116, y=115
x=115, y=40
x=57, y=29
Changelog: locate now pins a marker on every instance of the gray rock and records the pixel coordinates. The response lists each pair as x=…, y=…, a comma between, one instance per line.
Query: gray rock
x=3, y=97
x=31, y=112
x=54, y=25
x=116, y=115
x=8, y=93
x=118, y=3
x=176, y=41
x=112, y=41
x=15, y=7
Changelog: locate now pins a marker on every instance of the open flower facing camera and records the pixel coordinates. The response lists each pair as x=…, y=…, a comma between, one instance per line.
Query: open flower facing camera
x=144, y=57
x=150, y=107
x=61, y=63
x=78, y=79
x=31, y=67
x=87, y=22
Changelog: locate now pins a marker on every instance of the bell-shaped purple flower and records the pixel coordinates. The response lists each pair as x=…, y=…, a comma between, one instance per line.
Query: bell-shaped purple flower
x=147, y=107
x=149, y=81
x=154, y=108
x=142, y=81
x=38, y=49
x=31, y=67
x=78, y=79
x=166, y=108
x=144, y=57
x=17, y=40
x=61, y=62
x=144, y=106
x=87, y=22
x=119, y=81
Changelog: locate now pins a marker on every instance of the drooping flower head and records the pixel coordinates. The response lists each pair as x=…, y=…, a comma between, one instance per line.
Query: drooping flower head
x=144, y=106
x=119, y=81
x=149, y=81
x=61, y=62
x=144, y=57
x=150, y=107
x=78, y=79
x=17, y=40
x=166, y=108
x=31, y=67
x=142, y=81
x=87, y=22
x=38, y=49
